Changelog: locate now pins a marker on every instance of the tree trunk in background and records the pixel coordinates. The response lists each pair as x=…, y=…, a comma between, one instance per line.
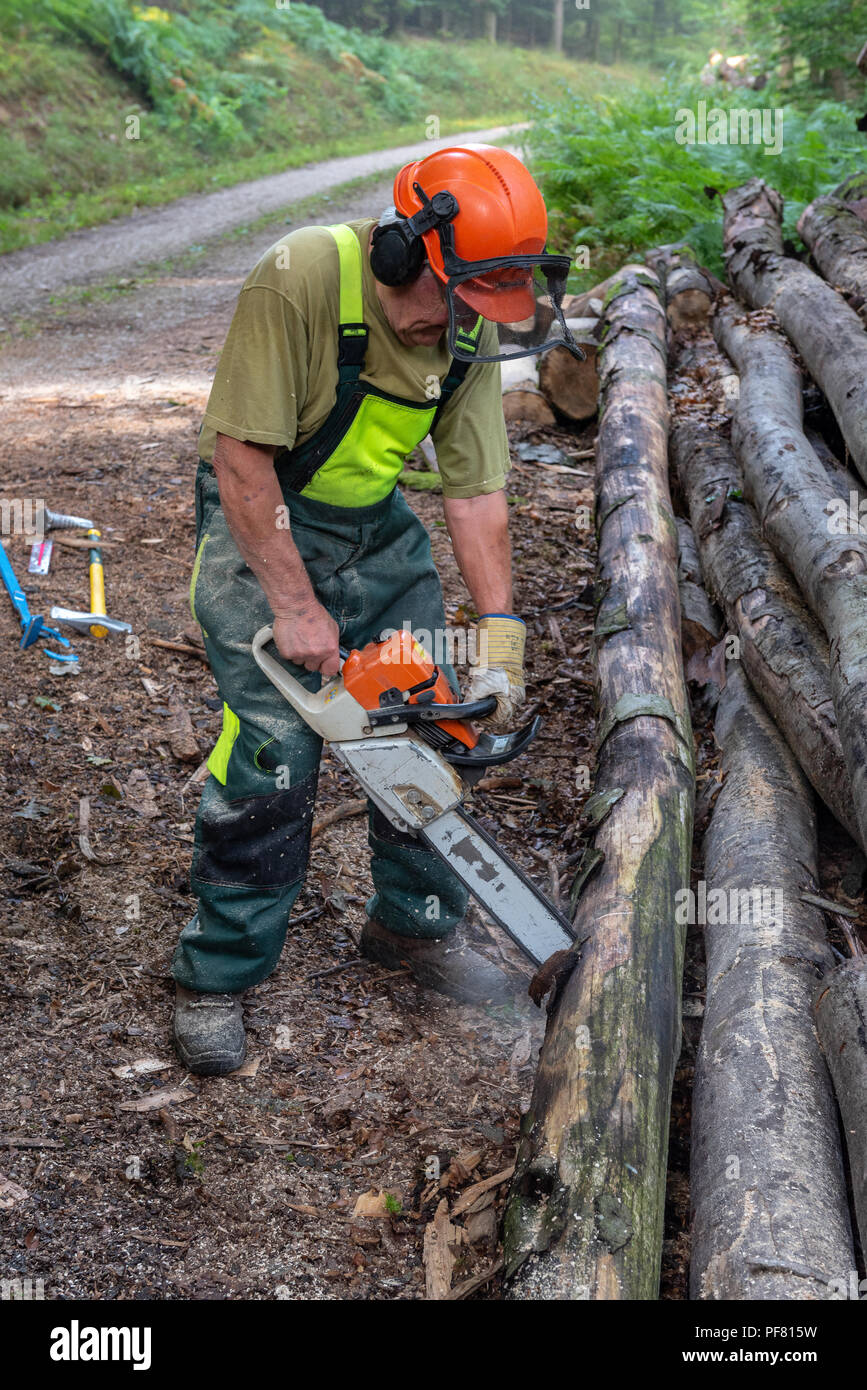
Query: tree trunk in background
x=491, y=25
x=618, y=42
x=557, y=29
x=592, y=38
x=657, y=25
x=585, y=1212
x=766, y=1171
x=795, y=498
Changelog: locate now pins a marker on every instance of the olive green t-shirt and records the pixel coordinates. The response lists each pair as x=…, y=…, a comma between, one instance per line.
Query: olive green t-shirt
x=276, y=380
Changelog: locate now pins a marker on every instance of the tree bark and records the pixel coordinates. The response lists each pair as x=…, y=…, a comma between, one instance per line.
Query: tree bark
x=557, y=27
x=783, y=649
x=766, y=1172
x=701, y=623
x=827, y=333
x=841, y=1018
x=578, y=306
x=585, y=1212
x=795, y=498
x=853, y=192
x=837, y=239
x=618, y=42
x=845, y=482
x=591, y=37
x=853, y=188
x=699, y=618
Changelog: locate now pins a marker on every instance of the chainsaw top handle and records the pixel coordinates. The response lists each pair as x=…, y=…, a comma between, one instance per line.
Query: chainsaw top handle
x=307, y=702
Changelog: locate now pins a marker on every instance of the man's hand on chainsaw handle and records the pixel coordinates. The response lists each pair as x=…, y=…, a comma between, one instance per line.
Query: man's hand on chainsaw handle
x=309, y=637
x=499, y=671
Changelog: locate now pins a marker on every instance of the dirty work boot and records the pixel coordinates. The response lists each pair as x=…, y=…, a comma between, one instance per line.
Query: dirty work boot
x=209, y=1031
x=446, y=964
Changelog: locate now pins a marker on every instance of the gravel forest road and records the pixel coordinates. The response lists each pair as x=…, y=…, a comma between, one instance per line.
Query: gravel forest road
x=129, y=244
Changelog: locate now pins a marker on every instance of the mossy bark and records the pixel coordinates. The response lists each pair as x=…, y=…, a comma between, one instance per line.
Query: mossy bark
x=585, y=1211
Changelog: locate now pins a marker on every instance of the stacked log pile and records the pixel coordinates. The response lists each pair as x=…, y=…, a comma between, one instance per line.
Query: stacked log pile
x=772, y=622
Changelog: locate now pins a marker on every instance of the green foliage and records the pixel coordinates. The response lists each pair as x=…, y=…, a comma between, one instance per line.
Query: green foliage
x=820, y=42
x=616, y=180
x=221, y=93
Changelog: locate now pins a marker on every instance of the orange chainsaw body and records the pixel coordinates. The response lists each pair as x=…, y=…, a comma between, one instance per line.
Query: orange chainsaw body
x=400, y=663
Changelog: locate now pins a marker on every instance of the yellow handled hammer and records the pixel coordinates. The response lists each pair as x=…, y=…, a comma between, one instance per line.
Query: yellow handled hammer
x=97, y=583
x=84, y=622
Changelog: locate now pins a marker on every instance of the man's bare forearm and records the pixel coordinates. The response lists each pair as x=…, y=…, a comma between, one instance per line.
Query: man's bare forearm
x=479, y=528
x=251, y=499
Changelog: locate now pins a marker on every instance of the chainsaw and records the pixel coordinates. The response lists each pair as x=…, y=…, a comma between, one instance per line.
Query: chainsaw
x=391, y=717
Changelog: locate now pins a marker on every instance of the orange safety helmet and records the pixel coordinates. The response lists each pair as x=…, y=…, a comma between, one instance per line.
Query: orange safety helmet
x=502, y=213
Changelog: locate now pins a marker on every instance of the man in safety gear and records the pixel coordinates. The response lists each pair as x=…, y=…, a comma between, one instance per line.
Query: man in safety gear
x=349, y=344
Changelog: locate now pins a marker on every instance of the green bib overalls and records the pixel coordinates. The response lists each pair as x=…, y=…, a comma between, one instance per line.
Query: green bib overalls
x=369, y=560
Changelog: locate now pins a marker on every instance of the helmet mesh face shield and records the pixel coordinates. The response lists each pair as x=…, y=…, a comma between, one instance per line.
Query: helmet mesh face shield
x=521, y=294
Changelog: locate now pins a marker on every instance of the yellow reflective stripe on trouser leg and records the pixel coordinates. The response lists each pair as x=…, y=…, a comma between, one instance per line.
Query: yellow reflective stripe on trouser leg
x=218, y=762
x=195, y=576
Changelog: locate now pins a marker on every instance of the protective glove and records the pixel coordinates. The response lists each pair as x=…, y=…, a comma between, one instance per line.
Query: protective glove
x=499, y=671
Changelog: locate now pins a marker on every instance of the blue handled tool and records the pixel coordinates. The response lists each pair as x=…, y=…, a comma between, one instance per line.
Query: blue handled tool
x=32, y=628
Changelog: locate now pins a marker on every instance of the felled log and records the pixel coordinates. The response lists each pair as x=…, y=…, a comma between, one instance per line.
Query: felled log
x=766, y=1173
x=578, y=306
x=524, y=402
x=837, y=239
x=783, y=649
x=585, y=1211
x=795, y=498
x=841, y=1018
x=827, y=333
x=570, y=386
x=690, y=290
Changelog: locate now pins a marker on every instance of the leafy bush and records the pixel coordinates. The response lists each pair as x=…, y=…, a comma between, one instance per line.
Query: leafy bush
x=189, y=63
x=616, y=180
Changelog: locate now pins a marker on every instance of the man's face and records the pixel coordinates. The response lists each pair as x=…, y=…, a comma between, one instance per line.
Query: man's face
x=417, y=313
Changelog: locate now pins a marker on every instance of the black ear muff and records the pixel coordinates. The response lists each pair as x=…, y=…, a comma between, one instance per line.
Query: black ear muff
x=397, y=255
